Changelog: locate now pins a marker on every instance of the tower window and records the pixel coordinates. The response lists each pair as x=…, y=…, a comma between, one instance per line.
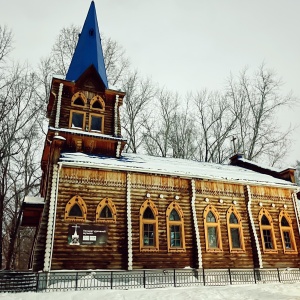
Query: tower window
x=78, y=99
x=77, y=119
x=96, y=122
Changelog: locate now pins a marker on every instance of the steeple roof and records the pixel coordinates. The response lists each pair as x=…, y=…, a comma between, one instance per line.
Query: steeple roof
x=88, y=50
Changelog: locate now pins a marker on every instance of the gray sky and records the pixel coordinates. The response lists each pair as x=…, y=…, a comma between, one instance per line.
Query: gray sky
x=184, y=45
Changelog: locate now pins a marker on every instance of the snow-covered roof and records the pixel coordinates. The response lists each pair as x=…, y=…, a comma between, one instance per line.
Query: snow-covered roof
x=173, y=167
x=33, y=200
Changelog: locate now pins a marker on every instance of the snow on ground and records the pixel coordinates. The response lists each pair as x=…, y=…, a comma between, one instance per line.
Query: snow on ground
x=232, y=292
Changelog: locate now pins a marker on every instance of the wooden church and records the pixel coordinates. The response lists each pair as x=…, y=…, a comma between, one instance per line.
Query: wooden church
x=104, y=209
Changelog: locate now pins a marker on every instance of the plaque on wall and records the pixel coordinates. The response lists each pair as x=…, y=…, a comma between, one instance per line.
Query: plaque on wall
x=87, y=235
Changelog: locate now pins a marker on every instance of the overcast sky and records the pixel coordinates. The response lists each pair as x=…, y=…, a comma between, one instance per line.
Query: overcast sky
x=184, y=45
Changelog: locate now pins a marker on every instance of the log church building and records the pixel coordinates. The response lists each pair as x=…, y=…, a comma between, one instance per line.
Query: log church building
x=101, y=208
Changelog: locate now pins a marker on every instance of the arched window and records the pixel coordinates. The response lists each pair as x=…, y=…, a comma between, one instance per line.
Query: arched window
x=235, y=230
x=96, y=121
x=267, y=231
x=287, y=233
x=212, y=229
x=97, y=103
x=175, y=228
x=106, y=211
x=148, y=227
x=78, y=99
x=76, y=210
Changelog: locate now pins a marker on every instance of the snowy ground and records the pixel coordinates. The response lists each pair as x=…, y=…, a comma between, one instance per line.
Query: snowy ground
x=240, y=292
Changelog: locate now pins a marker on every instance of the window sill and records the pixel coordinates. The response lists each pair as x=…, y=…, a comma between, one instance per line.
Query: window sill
x=270, y=251
x=148, y=249
x=176, y=250
x=290, y=251
x=214, y=250
x=105, y=221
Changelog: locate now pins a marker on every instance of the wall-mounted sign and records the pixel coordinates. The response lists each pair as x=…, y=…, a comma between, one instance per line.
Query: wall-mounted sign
x=87, y=235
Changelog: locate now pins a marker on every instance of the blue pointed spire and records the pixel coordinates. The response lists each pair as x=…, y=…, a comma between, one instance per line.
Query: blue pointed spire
x=88, y=50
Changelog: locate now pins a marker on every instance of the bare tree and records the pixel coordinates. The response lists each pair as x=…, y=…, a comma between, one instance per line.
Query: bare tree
x=255, y=102
x=139, y=93
x=6, y=41
x=20, y=108
x=159, y=124
x=215, y=123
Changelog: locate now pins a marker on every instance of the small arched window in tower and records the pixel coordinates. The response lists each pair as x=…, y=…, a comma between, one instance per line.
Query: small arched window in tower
x=96, y=119
x=212, y=229
x=175, y=228
x=76, y=210
x=235, y=230
x=106, y=211
x=78, y=99
x=148, y=227
x=267, y=232
x=97, y=103
x=287, y=233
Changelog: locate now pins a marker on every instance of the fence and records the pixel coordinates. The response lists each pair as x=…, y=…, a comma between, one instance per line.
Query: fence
x=84, y=280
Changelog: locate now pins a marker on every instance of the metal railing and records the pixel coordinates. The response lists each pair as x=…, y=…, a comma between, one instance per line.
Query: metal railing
x=92, y=280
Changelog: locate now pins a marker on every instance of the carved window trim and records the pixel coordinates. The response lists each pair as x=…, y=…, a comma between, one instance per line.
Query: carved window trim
x=76, y=200
x=100, y=100
x=102, y=204
x=81, y=96
x=102, y=122
x=180, y=223
x=238, y=226
x=216, y=225
x=143, y=221
x=290, y=231
x=71, y=119
x=270, y=228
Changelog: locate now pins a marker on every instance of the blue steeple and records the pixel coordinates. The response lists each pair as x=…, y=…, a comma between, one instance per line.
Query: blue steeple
x=88, y=50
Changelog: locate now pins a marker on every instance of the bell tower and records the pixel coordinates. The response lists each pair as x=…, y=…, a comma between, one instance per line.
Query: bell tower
x=83, y=112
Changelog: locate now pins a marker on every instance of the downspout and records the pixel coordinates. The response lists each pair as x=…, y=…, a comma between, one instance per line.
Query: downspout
x=248, y=192
x=129, y=224
x=195, y=221
x=57, y=117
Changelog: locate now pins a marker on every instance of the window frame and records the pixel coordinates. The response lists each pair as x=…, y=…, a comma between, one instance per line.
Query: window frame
x=264, y=212
x=288, y=229
x=238, y=226
x=180, y=223
x=71, y=118
x=95, y=99
x=212, y=209
x=76, y=96
x=102, y=122
x=76, y=200
x=102, y=204
x=149, y=204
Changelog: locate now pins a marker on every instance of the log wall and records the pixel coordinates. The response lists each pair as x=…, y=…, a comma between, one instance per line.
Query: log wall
x=275, y=200
x=222, y=196
x=94, y=185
